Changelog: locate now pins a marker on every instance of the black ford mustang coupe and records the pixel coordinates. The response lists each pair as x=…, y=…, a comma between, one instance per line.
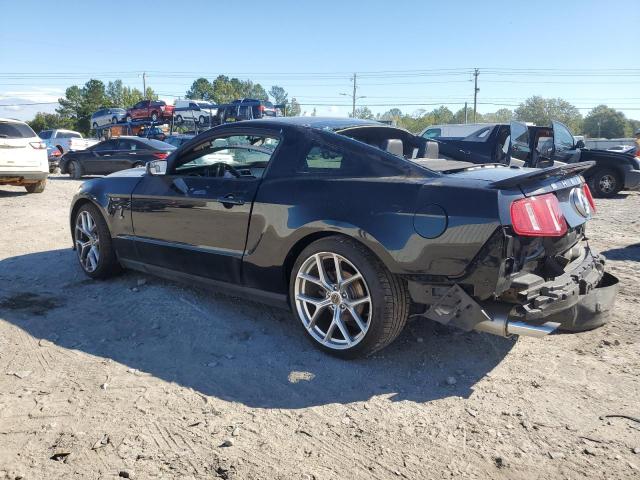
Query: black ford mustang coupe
x=356, y=226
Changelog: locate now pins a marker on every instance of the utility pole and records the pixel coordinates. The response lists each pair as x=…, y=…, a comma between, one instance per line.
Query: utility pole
x=144, y=85
x=354, y=96
x=476, y=72
x=465, y=112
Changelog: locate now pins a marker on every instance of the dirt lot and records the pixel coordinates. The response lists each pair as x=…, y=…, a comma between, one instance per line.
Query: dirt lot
x=140, y=378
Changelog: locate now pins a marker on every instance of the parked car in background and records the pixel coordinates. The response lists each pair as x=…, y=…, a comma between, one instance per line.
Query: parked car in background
x=54, y=155
x=106, y=116
x=66, y=140
x=113, y=155
x=630, y=149
x=452, y=130
x=267, y=209
x=540, y=147
x=154, y=110
x=178, y=139
x=23, y=157
x=154, y=132
x=245, y=109
x=198, y=111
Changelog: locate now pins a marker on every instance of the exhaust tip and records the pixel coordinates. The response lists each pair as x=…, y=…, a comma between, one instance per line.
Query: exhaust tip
x=527, y=330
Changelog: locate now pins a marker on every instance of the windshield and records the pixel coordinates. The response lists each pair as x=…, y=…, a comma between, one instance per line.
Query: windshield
x=204, y=105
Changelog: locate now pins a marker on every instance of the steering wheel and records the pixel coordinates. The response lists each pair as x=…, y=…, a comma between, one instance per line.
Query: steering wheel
x=220, y=168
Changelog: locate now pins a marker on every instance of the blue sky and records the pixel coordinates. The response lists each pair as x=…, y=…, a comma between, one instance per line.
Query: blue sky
x=425, y=50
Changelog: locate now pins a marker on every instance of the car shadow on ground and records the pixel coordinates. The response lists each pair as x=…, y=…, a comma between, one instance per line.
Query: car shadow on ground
x=227, y=347
x=11, y=193
x=630, y=252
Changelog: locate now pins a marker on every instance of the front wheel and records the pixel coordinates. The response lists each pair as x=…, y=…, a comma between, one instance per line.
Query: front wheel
x=154, y=117
x=93, y=243
x=114, y=120
x=36, y=187
x=129, y=119
x=178, y=120
x=349, y=304
x=605, y=182
x=202, y=120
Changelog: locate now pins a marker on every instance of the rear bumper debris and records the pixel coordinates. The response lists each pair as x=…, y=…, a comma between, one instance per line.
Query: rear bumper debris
x=577, y=300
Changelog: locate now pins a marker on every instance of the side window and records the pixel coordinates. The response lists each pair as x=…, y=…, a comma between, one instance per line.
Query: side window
x=101, y=147
x=432, y=133
x=562, y=138
x=244, y=153
x=322, y=160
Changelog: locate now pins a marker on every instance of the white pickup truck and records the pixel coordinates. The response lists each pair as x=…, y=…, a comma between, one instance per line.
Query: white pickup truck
x=66, y=140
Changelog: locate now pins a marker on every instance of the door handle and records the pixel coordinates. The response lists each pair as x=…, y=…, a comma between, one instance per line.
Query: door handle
x=230, y=200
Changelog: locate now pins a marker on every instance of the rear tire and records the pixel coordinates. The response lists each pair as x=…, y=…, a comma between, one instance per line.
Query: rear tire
x=605, y=182
x=95, y=126
x=114, y=120
x=178, y=120
x=154, y=116
x=370, y=304
x=36, y=187
x=129, y=119
x=202, y=120
x=92, y=240
x=75, y=170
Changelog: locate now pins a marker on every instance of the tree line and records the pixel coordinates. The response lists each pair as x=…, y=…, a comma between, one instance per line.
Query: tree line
x=79, y=103
x=601, y=121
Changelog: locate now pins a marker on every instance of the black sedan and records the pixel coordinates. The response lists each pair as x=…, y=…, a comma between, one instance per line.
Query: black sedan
x=356, y=226
x=114, y=155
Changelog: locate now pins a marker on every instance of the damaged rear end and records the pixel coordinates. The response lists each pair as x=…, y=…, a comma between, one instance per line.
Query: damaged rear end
x=537, y=273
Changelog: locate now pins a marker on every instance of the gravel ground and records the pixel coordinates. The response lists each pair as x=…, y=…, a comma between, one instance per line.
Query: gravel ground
x=136, y=377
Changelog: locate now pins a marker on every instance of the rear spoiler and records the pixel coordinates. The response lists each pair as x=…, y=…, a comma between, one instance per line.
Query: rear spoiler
x=562, y=171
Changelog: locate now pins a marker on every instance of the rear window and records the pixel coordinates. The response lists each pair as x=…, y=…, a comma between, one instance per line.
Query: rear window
x=16, y=130
x=45, y=135
x=68, y=135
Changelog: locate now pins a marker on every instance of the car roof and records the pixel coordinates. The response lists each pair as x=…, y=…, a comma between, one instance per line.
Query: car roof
x=320, y=123
x=15, y=120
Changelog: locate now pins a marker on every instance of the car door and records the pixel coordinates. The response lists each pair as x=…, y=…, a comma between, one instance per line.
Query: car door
x=519, y=146
x=564, y=148
x=194, y=219
x=97, y=161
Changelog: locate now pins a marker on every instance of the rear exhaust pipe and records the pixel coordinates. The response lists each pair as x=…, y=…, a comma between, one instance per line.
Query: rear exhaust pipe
x=498, y=323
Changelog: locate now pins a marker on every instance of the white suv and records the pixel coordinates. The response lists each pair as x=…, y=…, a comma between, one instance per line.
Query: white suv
x=23, y=156
x=196, y=111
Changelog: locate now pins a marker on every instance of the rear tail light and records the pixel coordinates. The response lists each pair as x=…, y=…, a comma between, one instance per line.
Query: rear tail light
x=587, y=193
x=160, y=155
x=56, y=153
x=38, y=145
x=538, y=217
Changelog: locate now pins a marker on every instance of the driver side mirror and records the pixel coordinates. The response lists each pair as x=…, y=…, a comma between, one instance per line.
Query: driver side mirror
x=580, y=144
x=157, y=167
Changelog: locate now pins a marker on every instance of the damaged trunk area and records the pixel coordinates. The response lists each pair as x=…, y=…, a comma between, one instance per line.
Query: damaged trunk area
x=527, y=286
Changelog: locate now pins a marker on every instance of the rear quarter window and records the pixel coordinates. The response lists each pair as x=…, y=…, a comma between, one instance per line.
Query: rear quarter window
x=16, y=130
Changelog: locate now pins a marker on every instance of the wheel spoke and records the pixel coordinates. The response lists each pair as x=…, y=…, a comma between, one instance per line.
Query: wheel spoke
x=358, y=301
x=315, y=316
x=357, y=318
x=316, y=302
x=336, y=262
x=351, y=279
x=329, y=334
x=341, y=326
x=309, y=278
x=321, y=272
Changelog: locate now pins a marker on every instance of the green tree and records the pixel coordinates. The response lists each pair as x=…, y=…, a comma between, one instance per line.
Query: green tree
x=47, y=121
x=605, y=122
x=364, y=112
x=631, y=127
x=226, y=90
x=442, y=115
x=293, y=109
x=542, y=111
x=201, y=89
x=504, y=115
x=393, y=114
x=279, y=95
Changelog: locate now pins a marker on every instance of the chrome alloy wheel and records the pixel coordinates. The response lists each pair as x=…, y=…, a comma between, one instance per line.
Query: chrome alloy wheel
x=87, y=241
x=333, y=301
x=607, y=183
